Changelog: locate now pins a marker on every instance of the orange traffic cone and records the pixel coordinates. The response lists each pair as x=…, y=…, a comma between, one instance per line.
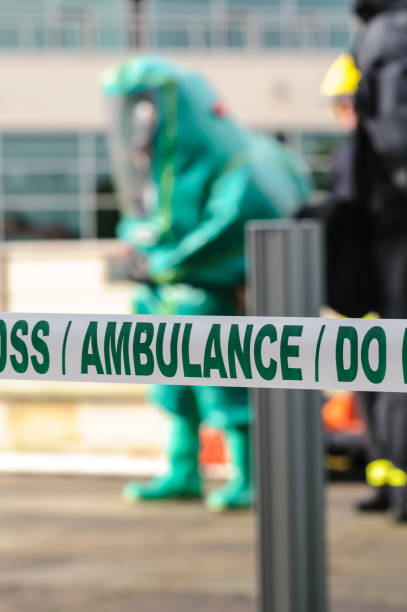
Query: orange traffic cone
x=341, y=413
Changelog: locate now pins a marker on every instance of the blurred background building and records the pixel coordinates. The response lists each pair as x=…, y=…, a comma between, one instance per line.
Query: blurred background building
x=266, y=57
x=58, y=212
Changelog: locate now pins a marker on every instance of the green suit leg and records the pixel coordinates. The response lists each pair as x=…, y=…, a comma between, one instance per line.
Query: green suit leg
x=182, y=479
x=238, y=492
x=222, y=407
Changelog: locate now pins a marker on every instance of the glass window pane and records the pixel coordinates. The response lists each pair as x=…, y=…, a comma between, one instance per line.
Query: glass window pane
x=40, y=145
x=53, y=201
x=314, y=143
x=105, y=193
x=106, y=221
x=327, y=4
x=236, y=36
x=8, y=36
x=112, y=33
x=103, y=166
x=42, y=225
x=271, y=37
x=102, y=147
x=322, y=180
x=42, y=165
x=172, y=36
x=255, y=3
x=40, y=183
x=340, y=38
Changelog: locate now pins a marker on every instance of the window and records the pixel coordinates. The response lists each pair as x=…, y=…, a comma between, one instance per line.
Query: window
x=318, y=148
x=66, y=24
x=56, y=186
x=114, y=25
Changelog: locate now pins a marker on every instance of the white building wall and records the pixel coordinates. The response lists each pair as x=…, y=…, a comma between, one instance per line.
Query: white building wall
x=62, y=92
x=62, y=276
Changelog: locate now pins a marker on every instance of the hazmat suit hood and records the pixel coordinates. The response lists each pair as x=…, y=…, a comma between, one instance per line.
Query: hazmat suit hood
x=210, y=176
x=366, y=9
x=194, y=136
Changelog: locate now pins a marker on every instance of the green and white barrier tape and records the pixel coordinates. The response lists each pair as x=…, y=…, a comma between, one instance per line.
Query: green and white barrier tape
x=301, y=353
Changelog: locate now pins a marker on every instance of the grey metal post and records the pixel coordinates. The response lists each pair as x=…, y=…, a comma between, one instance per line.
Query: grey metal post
x=286, y=280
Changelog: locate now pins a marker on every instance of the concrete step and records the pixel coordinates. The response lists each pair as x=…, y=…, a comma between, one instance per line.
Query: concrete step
x=90, y=464
x=62, y=417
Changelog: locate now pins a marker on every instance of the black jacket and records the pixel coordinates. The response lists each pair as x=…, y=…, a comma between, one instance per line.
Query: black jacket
x=381, y=150
x=381, y=138
x=366, y=9
x=342, y=171
x=366, y=217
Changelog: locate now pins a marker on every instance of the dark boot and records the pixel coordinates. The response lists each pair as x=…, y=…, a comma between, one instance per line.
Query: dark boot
x=398, y=508
x=379, y=501
x=377, y=474
x=398, y=495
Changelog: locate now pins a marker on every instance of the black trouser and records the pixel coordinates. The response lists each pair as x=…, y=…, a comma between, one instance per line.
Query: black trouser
x=367, y=403
x=386, y=413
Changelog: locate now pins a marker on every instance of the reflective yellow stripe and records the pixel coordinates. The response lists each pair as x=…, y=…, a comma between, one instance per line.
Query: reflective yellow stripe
x=382, y=472
x=167, y=178
x=397, y=478
x=377, y=472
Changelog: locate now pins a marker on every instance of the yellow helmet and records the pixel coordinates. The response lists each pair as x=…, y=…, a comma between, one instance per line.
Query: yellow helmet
x=342, y=77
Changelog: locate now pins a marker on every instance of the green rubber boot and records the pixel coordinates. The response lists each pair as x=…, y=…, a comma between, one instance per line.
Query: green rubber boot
x=238, y=492
x=183, y=479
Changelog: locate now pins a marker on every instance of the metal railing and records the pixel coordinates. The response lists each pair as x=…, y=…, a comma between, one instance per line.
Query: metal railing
x=249, y=30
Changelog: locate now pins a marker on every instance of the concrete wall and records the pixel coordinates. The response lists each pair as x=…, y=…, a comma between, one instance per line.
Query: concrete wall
x=70, y=276
x=62, y=92
x=54, y=417
x=62, y=276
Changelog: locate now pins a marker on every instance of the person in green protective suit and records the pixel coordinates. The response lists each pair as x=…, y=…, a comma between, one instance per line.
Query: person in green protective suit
x=189, y=178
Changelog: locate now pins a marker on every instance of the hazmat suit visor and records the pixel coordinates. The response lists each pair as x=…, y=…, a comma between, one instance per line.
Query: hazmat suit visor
x=133, y=124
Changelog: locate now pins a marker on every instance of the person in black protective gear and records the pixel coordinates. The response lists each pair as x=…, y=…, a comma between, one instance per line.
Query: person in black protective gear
x=339, y=86
x=345, y=223
x=366, y=229
x=380, y=172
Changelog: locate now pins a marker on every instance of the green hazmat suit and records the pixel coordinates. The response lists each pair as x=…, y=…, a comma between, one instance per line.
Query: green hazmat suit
x=208, y=176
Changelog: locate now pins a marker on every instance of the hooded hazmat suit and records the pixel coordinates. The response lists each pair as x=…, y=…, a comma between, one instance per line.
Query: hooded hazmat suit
x=206, y=178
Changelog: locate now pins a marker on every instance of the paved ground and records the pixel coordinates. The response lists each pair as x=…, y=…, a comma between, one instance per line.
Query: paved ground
x=68, y=544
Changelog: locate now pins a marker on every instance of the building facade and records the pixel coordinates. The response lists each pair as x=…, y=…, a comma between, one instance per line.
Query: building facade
x=266, y=58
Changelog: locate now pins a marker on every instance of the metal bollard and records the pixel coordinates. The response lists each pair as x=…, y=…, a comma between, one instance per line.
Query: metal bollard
x=286, y=280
